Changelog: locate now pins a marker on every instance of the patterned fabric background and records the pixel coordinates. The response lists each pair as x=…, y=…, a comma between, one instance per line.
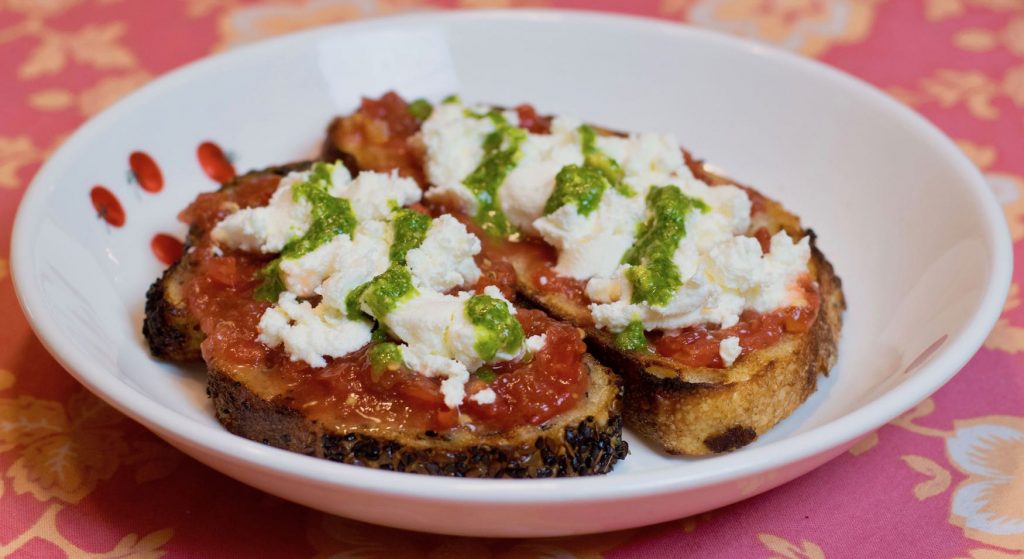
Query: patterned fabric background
x=945, y=480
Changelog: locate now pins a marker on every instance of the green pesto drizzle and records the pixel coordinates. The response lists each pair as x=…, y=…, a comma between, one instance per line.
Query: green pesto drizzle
x=653, y=275
x=352, y=302
x=501, y=154
x=496, y=328
x=385, y=292
x=410, y=228
x=485, y=374
x=582, y=185
x=420, y=109
x=597, y=159
x=384, y=356
x=632, y=338
x=330, y=217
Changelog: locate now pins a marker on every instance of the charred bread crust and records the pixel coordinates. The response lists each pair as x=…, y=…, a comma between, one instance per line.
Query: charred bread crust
x=171, y=332
x=585, y=441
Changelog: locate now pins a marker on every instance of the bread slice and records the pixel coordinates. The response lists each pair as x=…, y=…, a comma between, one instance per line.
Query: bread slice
x=584, y=441
x=704, y=410
x=684, y=410
x=256, y=404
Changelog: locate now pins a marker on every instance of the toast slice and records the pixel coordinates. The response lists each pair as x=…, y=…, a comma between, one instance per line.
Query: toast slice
x=584, y=441
x=698, y=411
x=685, y=410
x=261, y=405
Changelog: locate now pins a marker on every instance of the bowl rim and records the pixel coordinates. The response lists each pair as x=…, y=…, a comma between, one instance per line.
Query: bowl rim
x=167, y=423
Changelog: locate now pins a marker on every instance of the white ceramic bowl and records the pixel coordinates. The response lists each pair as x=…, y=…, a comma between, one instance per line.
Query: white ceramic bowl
x=918, y=240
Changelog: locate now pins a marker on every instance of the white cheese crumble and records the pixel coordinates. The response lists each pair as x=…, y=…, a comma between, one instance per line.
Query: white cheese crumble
x=729, y=350
x=592, y=245
x=356, y=262
x=536, y=343
x=374, y=195
x=436, y=323
x=309, y=333
x=431, y=365
x=454, y=142
x=445, y=258
x=718, y=285
x=485, y=396
x=268, y=228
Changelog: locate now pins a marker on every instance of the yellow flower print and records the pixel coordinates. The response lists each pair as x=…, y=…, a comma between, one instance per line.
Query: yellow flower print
x=97, y=46
x=1005, y=336
x=982, y=155
x=92, y=99
x=937, y=10
x=46, y=529
x=16, y=152
x=808, y=26
x=975, y=90
x=240, y=25
x=938, y=477
x=781, y=547
x=64, y=453
x=989, y=504
x=38, y=8
x=976, y=39
x=332, y=536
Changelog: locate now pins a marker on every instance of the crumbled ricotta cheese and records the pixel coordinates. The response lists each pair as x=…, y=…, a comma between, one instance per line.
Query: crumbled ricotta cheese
x=445, y=258
x=303, y=275
x=374, y=195
x=309, y=333
x=485, y=396
x=592, y=245
x=355, y=262
x=431, y=365
x=528, y=186
x=268, y=228
x=454, y=143
x=536, y=343
x=718, y=285
x=729, y=349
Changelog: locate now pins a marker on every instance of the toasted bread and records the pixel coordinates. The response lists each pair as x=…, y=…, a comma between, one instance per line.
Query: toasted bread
x=704, y=410
x=587, y=440
x=254, y=403
x=688, y=410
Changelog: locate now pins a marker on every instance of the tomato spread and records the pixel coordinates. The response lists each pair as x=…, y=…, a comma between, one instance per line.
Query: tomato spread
x=219, y=290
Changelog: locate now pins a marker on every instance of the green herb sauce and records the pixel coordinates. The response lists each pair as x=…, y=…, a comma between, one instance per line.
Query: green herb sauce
x=383, y=357
x=496, y=328
x=501, y=154
x=485, y=374
x=632, y=338
x=597, y=159
x=653, y=275
x=330, y=217
x=410, y=228
x=385, y=292
x=582, y=185
x=420, y=109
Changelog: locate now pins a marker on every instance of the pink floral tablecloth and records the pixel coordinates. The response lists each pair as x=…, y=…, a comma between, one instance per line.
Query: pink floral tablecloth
x=945, y=480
